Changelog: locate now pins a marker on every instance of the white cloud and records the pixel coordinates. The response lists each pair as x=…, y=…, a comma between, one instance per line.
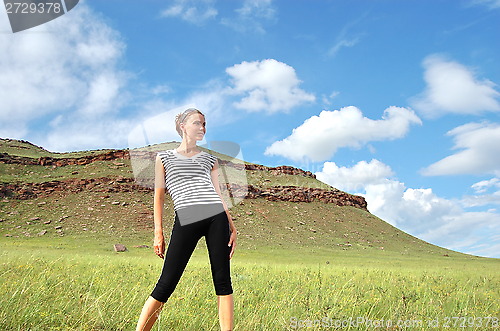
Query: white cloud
x=486, y=250
x=102, y=94
x=161, y=89
x=402, y=207
x=355, y=178
x=346, y=38
x=492, y=4
x=77, y=134
x=487, y=193
x=327, y=100
x=482, y=186
x=193, y=11
x=419, y=212
x=251, y=16
x=269, y=85
x=213, y=102
x=470, y=201
x=469, y=232
x=319, y=137
x=154, y=129
x=257, y=8
x=479, y=151
x=341, y=44
x=453, y=88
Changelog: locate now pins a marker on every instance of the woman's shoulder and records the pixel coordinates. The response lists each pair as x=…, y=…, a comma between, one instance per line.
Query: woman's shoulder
x=165, y=153
x=210, y=159
x=209, y=155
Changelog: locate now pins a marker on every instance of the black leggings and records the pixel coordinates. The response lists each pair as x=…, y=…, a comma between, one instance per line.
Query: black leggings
x=183, y=240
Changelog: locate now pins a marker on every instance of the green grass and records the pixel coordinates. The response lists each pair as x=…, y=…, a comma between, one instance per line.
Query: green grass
x=67, y=284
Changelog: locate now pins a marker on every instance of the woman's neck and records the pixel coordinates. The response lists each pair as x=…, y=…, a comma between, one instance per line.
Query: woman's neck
x=187, y=146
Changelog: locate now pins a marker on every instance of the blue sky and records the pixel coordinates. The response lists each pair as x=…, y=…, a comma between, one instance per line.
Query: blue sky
x=397, y=101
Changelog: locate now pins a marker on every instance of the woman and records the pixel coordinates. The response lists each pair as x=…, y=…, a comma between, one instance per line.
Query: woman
x=191, y=178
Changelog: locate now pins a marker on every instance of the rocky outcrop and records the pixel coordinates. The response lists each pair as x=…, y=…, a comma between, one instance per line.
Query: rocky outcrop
x=307, y=194
x=103, y=184
x=61, y=162
x=109, y=156
x=287, y=170
x=122, y=184
x=14, y=159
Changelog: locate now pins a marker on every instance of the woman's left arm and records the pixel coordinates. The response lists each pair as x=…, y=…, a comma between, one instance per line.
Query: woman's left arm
x=214, y=173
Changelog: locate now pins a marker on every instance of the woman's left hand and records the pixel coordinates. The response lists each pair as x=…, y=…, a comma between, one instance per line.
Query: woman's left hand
x=232, y=242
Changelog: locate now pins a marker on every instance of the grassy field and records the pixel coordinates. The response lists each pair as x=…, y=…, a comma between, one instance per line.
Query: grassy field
x=72, y=283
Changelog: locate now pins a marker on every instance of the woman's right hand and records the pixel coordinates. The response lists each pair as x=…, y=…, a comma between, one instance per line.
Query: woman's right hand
x=159, y=245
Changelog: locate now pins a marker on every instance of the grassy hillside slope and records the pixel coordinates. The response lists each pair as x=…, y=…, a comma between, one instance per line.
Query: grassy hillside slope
x=95, y=211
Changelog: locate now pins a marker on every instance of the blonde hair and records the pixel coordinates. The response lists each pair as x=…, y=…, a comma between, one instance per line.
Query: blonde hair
x=181, y=118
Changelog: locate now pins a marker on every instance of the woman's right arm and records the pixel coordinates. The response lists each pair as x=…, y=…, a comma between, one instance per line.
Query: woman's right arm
x=159, y=199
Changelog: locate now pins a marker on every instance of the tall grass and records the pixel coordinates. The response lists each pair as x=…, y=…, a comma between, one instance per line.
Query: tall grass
x=65, y=289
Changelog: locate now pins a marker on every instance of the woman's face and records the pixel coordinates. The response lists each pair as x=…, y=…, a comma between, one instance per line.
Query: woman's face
x=194, y=126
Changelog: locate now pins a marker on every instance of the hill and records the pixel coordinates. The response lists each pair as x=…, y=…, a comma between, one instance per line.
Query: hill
x=93, y=194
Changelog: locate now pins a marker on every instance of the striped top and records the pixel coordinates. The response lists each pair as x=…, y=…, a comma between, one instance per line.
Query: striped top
x=188, y=179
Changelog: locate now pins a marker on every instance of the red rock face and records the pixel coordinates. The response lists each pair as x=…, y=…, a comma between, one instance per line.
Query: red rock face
x=61, y=162
x=103, y=184
x=307, y=194
x=49, y=161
